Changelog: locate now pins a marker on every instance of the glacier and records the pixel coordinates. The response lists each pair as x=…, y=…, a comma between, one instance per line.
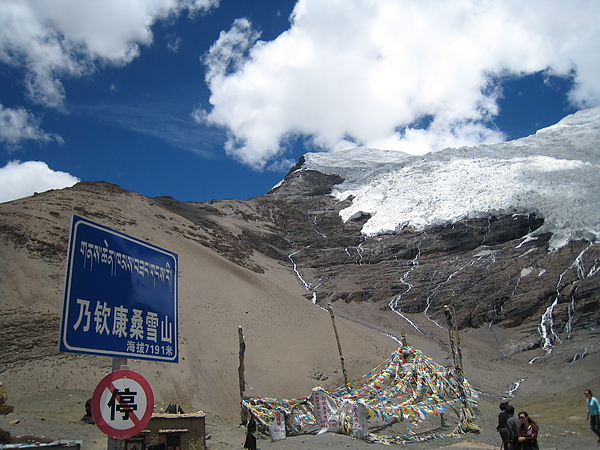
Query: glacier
x=553, y=173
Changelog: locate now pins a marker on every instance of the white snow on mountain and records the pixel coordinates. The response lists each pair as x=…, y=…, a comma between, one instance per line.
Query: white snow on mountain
x=554, y=173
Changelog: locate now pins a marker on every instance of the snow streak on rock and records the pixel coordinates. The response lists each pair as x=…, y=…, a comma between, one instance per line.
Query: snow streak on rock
x=307, y=285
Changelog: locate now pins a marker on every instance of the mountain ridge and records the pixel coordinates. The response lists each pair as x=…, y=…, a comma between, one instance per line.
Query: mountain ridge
x=268, y=263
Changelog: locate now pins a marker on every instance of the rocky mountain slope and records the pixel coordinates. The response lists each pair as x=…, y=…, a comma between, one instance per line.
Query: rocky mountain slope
x=490, y=269
x=267, y=263
x=291, y=345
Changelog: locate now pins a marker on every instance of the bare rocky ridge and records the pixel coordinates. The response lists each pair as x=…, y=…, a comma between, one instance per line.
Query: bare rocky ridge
x=484, y=267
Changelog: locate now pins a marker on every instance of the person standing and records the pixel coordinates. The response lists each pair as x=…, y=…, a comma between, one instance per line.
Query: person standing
x=512, y=424
x=593, y=412
x=527, y=432
x=250, y=442
x=501, y=427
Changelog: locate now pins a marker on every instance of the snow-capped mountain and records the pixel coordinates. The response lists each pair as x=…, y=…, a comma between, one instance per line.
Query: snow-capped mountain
x=555, y=173
x=389, y=240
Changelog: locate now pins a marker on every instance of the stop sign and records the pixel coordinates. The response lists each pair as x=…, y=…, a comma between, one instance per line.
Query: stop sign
x=122, y=404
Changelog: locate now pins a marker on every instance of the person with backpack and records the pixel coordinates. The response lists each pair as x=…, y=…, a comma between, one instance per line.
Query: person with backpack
x=501, y=428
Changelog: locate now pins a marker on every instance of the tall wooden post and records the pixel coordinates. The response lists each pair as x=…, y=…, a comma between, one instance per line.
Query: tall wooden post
x=241, y=366
x=454, y=338
x=466, y=414
x=337, y=338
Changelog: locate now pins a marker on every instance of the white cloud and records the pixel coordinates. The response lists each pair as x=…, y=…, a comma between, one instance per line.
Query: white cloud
x=51, y=40
x=19, y=179
x=361, y=72
x=18, y=125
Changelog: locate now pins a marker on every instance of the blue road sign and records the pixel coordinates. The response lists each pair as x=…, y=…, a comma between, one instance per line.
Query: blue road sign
x=120, y=296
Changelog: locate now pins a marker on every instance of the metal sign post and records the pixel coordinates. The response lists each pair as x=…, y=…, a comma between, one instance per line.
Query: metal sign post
x=117, y=364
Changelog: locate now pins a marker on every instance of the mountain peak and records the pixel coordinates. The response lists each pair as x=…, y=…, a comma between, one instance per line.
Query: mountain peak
x=554, y=173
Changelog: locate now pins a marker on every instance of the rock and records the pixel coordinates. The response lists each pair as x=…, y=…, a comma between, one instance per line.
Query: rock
x=5, y=437
x=4, y=407
x=3, y=394
x=88, y=417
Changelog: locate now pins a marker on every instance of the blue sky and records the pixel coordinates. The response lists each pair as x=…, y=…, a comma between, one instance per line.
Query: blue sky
x=209, y=99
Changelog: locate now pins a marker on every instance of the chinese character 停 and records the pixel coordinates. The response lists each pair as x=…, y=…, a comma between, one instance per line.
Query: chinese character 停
x=122, y=401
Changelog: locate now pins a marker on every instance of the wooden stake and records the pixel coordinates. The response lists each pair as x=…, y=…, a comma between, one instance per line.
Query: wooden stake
x=241, y=367
x=452, y=332
x=466, y=413
x=337, y=338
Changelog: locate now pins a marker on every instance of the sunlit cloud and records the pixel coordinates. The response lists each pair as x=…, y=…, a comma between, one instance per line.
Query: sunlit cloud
x=48, y=42
x=18, y=125
x=364, y=73
x=21, y=179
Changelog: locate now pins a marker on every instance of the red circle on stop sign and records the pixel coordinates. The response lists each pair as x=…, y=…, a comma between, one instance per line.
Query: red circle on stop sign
x=122, y=404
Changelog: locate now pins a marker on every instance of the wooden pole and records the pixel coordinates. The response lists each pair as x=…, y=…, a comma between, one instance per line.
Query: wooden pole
x=452, y=337
x=457, y=334
x=241, y=366
x=337, y=338
x=466, y=414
